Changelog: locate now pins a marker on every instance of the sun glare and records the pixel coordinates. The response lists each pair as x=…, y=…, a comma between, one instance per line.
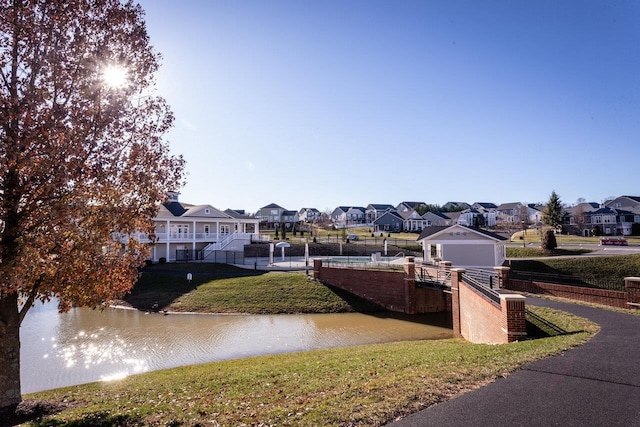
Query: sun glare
x=115, y=76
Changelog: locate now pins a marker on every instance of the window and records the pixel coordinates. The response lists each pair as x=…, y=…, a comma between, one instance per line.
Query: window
x=207, y=211
x=225, y=229
x=206, y=229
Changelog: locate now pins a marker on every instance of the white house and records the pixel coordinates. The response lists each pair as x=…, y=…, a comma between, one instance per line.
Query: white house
x=462, y=246
x=187, y=232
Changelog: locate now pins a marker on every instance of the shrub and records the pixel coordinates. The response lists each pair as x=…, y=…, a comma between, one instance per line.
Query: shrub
x=162, y=260
x=548, y=241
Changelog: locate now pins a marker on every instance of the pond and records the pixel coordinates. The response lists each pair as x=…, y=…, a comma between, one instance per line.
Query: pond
x=86, y=345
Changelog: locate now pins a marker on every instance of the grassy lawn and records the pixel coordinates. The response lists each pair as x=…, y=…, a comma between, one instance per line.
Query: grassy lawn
x=536, y=252
x=614, y=268
x=364, y=385
x=219, y=288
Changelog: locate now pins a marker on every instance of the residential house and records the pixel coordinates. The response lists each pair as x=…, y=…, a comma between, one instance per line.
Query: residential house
x=184, y=232
x=509, y=212
x=628, y=210
x=408, y=206
x=412, y=221
x=436, y=219
x=390, y=222
x=290, y=219
x=475, y=218
x=309, y=215
x=271, y=215
x=348, y=216
x=375, y=211
x=534, y=214
x=463, y=246
x=588, y=219
x=455, y=206
x=484, y=207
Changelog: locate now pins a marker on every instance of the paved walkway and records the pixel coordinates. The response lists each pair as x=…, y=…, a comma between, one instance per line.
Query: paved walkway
x=596, y=384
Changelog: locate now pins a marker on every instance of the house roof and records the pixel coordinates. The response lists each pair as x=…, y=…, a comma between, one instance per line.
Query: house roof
x=380, y=206
x=236, y=213
x=289, y=213
x=394, y=214
x=412, y=205
x=409, y=214
x=441, y=229
x=438, y=214
x=506, y=206
x=175, y=208
x=486, y=205
x=272, y=206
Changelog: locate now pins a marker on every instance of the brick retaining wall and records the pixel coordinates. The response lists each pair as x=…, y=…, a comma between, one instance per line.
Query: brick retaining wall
x=591, y=295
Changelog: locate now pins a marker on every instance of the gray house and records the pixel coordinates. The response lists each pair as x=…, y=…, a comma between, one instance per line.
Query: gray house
x=376, y=210
x=462, y=246
x=389, y=222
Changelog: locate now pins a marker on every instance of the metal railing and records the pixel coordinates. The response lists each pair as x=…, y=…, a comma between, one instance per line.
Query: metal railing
x=488, y=278
x=433, y=275
x=559, y=279
x=361, y=263
x=492, y=294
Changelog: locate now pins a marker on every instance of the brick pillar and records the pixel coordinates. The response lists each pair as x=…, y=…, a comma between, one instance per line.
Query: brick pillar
x=513, y=320
x=410, y=285
x=632, y=284
x=317, y=266
x=456, y=274
x=503, y=276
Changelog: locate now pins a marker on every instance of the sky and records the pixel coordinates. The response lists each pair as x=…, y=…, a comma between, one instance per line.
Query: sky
x=319, y=104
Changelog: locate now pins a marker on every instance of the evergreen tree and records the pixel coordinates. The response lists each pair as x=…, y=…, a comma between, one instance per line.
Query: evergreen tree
x=548, y=241
x=552, y=213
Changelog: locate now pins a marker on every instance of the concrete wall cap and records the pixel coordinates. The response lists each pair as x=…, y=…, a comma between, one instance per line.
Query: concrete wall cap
x=512, y=297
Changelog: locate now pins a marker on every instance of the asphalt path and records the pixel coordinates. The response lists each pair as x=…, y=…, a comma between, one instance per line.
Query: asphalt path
x=596, y=384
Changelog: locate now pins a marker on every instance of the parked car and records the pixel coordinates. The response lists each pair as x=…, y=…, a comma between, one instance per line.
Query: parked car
x=614, y=241
x=353, y=237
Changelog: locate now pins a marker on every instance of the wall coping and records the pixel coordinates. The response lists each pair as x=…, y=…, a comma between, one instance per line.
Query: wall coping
x=512, y=297
x=634, y=279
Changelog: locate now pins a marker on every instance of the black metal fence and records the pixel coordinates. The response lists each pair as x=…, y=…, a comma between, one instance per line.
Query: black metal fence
x=559, y=279
x=483, y=288
x=224, y=257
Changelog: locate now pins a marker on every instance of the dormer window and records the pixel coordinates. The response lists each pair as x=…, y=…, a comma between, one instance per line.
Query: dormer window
x=173, y=196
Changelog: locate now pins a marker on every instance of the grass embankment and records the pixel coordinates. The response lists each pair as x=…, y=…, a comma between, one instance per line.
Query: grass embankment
x=537, y=252
x=219, y=288
x=614, y=268
x=364, y=385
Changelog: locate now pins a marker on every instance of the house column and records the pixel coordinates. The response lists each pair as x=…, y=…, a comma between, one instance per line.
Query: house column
x=168, y=241
x=193, y=241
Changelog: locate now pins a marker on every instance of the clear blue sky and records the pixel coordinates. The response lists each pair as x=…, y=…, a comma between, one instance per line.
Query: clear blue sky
x=328, y=103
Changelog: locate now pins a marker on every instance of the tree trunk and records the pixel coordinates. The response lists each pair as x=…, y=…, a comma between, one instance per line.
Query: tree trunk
x=10, y=395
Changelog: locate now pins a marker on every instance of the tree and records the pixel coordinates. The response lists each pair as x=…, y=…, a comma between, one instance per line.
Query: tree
x=552, y=213
x=548, y=241
x=579, y=218
x=83, y=161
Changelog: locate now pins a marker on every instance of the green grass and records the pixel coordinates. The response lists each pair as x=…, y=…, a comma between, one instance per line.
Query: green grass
x=219, y=288
x=364, y=385
x=614, y=268
x=529, y=252
x=532, y=236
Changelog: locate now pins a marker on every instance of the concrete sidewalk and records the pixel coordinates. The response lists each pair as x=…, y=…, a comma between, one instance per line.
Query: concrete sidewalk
x=596, y=384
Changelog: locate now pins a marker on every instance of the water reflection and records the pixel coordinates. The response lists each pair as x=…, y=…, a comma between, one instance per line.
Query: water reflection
x=91, y=345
